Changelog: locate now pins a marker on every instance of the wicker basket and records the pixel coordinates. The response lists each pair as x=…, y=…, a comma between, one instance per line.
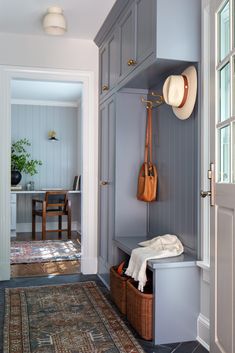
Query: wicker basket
x=118, y=289
x=140, y=310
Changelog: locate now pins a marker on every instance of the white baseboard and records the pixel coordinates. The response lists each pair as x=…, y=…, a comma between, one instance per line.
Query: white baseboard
x=4, y=271
x=27, y=227
x=89, y=264
x=203, y=331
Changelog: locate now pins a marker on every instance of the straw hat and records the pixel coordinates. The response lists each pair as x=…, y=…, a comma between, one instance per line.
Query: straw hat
x=180, y=91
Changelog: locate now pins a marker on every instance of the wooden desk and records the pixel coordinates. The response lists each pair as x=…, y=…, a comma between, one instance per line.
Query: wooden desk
x=14, y=194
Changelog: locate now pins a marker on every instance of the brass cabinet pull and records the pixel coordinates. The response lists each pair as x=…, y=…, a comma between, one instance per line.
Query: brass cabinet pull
x=105, y=88
x=104, y=182
x=131, y=62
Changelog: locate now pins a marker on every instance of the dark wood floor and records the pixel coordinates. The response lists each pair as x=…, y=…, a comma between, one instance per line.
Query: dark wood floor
x=187, y=347
x=46, y=268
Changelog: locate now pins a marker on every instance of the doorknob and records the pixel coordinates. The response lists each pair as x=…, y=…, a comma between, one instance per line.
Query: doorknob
x=211, y=192
x=104, y=182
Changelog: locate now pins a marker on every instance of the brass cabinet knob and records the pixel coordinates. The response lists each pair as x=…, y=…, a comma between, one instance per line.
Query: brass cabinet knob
x=105, y=88
x=131, y=62
x=104, y=182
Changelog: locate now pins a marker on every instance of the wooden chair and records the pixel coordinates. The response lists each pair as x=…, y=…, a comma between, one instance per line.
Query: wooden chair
x=56, y=203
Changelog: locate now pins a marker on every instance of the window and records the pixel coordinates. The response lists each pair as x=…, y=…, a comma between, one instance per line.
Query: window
x=225, y=118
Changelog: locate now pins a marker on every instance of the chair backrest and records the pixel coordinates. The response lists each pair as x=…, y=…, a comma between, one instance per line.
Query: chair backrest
x=56, y=198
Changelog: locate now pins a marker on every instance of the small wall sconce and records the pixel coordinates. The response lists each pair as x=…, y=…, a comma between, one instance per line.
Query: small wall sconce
x=52, y=136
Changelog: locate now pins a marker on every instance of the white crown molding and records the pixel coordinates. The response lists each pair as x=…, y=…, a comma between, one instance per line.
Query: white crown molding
x=17, y=101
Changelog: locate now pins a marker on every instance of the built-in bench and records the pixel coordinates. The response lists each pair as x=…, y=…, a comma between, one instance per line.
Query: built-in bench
x=176, y=294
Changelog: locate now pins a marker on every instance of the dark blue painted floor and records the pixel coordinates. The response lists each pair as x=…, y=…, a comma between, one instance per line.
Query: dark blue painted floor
x=187, y=347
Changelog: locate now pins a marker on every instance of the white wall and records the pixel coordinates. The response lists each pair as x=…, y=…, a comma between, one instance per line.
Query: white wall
x=19, y=53
x=50, y=52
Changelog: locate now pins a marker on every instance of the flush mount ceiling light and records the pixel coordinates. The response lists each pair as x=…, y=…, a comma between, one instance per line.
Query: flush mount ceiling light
x=54, y=22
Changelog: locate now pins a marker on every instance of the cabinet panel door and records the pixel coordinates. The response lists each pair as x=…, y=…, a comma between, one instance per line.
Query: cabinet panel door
x=107, y=184
x=111, y=178
x=104, y=69
x=127, y=41
x=114, y=59
x=145, y=27
x=103, y=209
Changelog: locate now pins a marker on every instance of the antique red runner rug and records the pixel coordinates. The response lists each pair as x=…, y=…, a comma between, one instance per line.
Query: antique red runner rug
x=64, y=319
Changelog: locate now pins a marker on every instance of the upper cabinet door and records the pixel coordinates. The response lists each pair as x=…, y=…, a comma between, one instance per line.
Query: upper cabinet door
x=145, y=28
x=104, y=70
x=127, y=41
x=114, y=59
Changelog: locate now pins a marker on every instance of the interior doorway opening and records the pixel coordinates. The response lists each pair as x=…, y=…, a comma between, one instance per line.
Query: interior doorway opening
x=89, y=207
x=46, y=148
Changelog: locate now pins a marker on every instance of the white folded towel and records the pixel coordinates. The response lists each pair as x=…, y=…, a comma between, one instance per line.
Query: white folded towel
x=160, y=247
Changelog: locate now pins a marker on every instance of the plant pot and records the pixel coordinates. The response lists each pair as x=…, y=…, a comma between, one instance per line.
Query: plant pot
x=15, y=177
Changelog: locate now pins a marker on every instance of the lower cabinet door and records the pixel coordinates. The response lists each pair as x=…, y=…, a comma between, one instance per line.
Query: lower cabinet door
x=107, y=184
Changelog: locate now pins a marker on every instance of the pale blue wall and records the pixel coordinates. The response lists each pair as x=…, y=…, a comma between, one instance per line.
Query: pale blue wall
x=60, y=158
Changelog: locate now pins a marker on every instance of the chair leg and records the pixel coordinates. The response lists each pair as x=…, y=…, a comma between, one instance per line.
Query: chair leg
x=59, y=226
x=33, y=226
x=69, y=224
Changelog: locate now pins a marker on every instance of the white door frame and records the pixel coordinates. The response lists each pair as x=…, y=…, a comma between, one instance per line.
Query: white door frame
x=89, y=159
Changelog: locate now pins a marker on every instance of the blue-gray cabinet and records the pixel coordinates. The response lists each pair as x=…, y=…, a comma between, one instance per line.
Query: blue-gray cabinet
x=109, y=63
x=152, y=34
x=140, y=43
x=145, y=29
x=107, y=184
x=126, y=27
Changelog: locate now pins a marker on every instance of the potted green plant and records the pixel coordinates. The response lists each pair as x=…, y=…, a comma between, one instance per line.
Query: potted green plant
x=21, y=161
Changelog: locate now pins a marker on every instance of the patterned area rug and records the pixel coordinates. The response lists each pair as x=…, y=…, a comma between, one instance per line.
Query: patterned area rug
x=44, y=251
x=71, y=318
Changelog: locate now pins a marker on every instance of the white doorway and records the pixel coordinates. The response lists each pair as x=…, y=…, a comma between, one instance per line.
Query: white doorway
x=89, y=160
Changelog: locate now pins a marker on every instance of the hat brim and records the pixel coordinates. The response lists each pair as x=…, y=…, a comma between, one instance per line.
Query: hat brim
x=187, y=109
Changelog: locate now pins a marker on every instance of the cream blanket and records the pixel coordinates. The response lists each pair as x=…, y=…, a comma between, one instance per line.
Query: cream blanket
x=156, y=248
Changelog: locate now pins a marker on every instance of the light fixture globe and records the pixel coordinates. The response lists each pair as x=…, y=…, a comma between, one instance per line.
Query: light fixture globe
x=54, y=22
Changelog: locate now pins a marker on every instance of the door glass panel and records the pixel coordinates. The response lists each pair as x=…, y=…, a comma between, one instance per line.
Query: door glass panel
x=224, y=93
x=224, y=155
x=224, y=31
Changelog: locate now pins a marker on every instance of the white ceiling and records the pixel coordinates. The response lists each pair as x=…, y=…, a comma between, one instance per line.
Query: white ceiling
x=45, y=91
x=84, y=17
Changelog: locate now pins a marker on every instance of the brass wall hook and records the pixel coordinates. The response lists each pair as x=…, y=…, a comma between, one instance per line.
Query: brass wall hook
x=149, y=104
x=160, y=98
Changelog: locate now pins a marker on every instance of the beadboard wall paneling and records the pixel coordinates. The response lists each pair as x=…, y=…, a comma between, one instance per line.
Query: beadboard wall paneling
x=61, y=159
x=175, y=154
x=130, y=214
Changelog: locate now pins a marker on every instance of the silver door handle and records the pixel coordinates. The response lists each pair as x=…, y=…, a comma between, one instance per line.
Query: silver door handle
x=104, y=182
x=205, y=193
x=211, y=192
